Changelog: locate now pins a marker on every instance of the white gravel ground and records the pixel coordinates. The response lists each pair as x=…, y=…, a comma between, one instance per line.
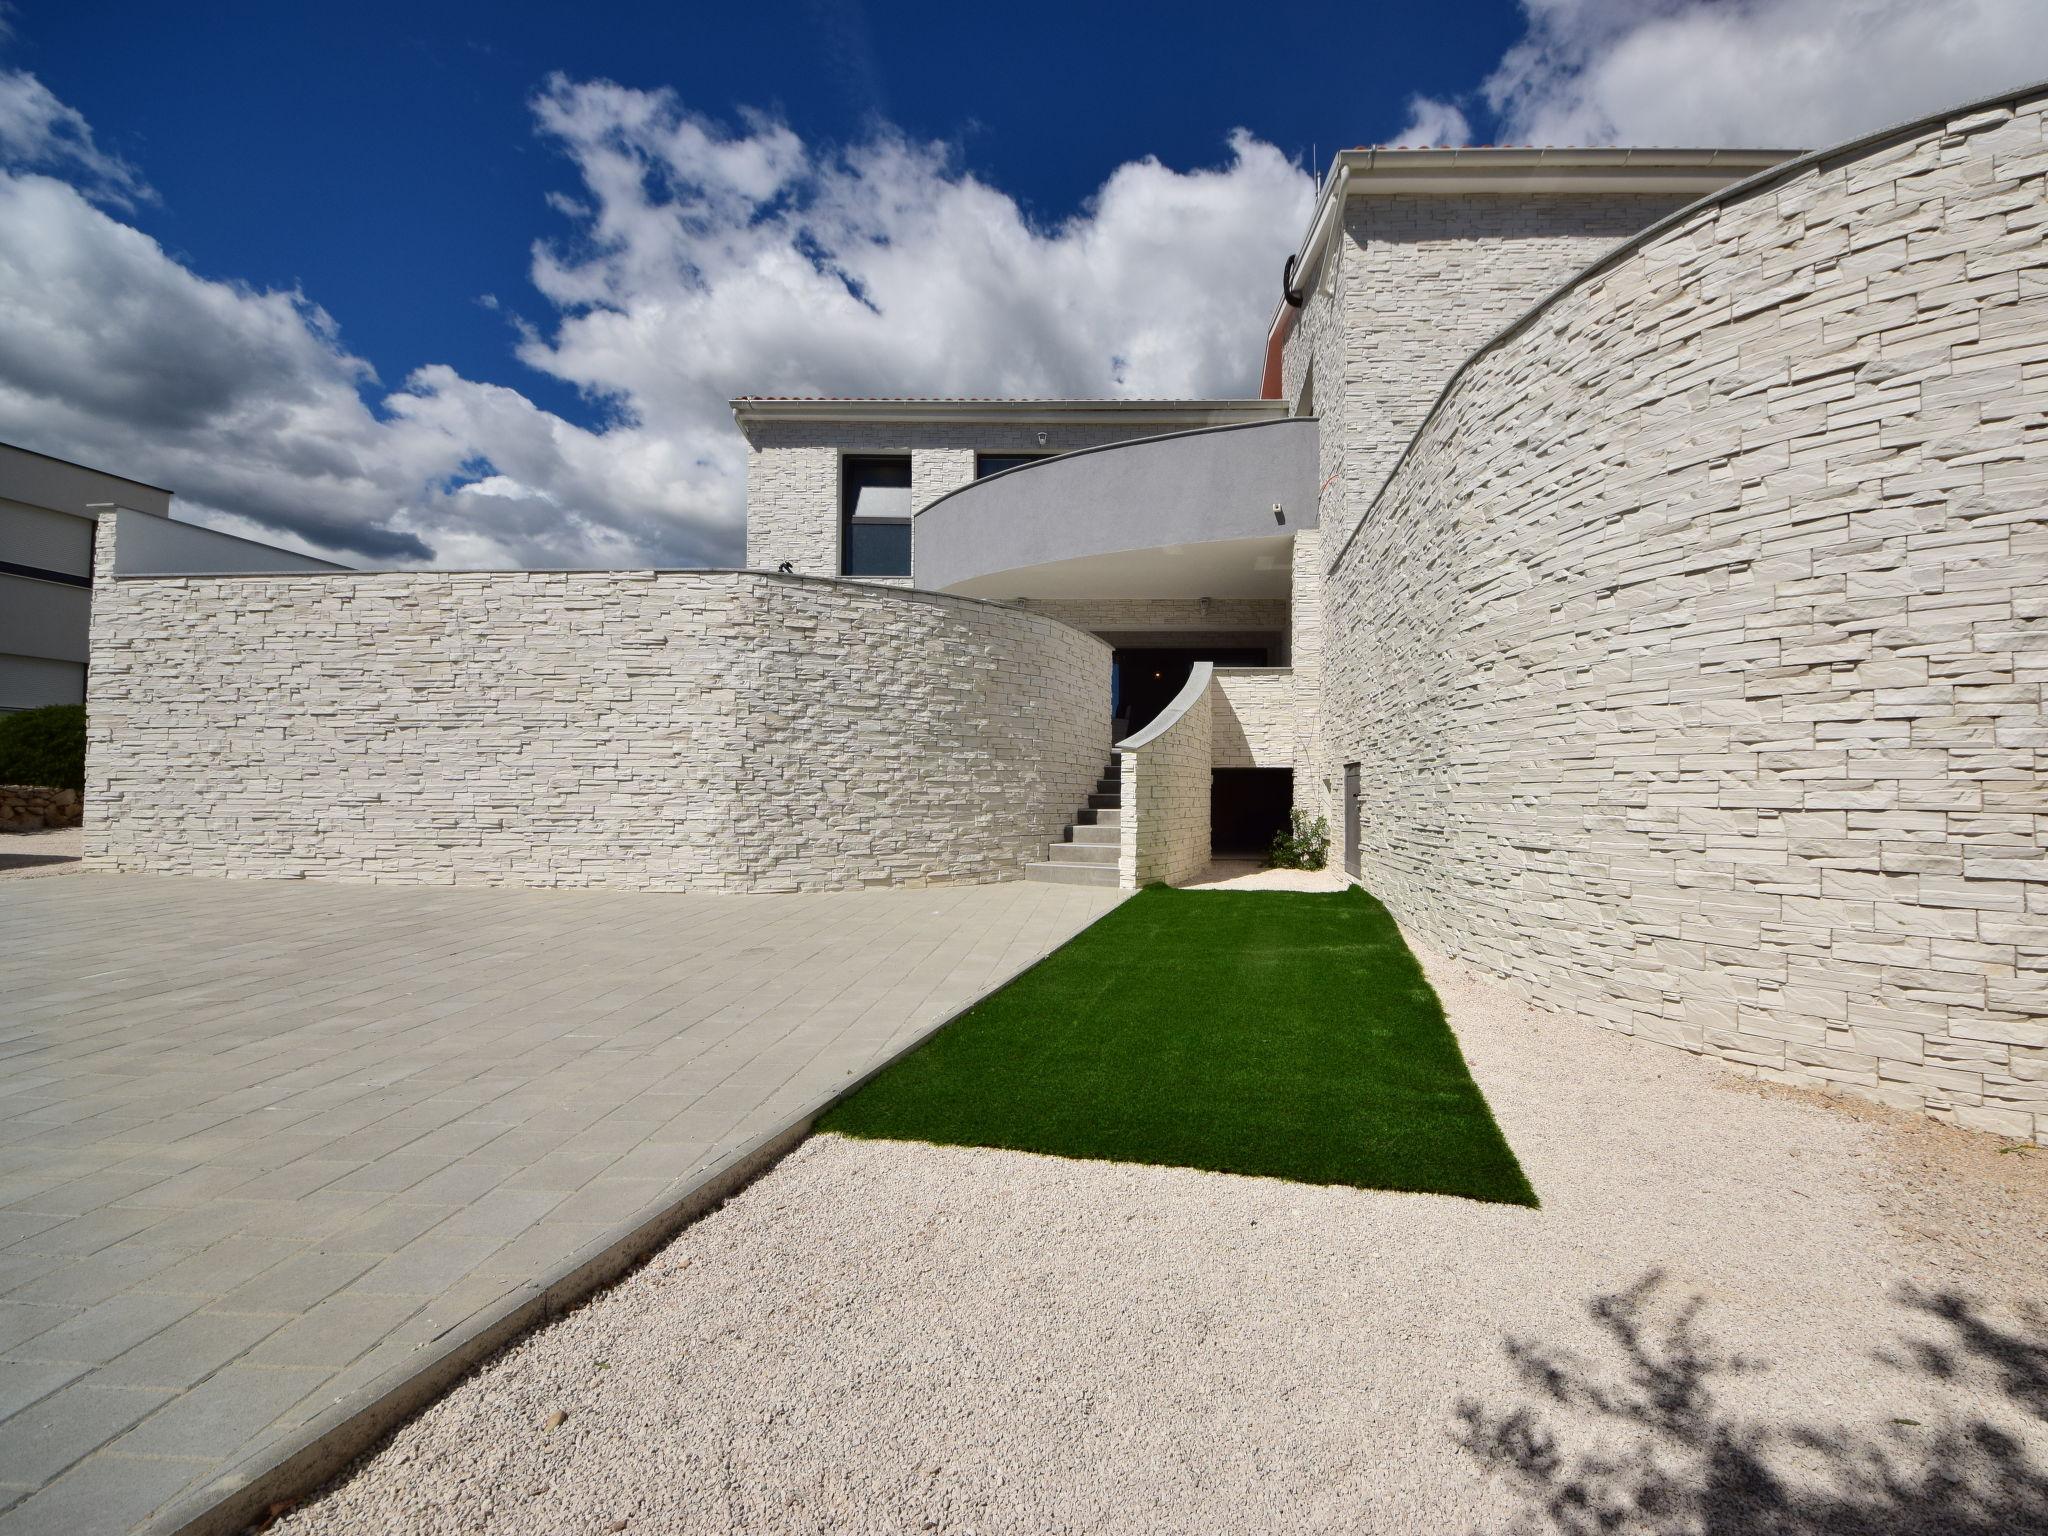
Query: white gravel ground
x=26, y=855
x=1252, y=875
x=880, y=1337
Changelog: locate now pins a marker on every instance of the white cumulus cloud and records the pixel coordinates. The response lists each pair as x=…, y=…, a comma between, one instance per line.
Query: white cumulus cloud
x=1798, y=74
x=37, y=130
x=1433, y=124
x=697, y=261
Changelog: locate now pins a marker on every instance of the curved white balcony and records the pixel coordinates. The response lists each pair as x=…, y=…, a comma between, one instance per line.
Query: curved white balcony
x=1209, y=513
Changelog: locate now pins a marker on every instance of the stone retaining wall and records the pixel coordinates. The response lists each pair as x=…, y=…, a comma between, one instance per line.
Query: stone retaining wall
x=1694, y=654
x=32, y=807
x=1165, y=782
x=695, y=730
x=1254, y=721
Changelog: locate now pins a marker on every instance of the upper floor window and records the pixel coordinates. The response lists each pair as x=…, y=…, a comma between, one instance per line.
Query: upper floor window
x=874, y=515
x=986, y=464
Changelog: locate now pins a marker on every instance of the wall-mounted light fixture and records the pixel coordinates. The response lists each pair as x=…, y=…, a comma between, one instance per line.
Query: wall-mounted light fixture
x=1279, y=513
x=1043, y=438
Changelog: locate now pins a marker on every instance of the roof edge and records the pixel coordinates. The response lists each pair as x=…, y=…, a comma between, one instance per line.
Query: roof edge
x=91, y=469
x=746, y=408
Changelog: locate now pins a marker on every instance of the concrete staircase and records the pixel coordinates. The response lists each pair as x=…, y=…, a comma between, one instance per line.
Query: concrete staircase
x=1088, y=855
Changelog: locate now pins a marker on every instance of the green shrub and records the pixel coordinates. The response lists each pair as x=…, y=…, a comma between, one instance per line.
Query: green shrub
x=44, y=746
x=1304, y=844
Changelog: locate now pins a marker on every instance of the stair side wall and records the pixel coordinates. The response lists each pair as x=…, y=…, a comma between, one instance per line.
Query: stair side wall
x=1165, y=825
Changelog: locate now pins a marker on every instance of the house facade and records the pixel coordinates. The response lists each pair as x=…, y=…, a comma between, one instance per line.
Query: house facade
x=1184, y=532
x=1639, y=557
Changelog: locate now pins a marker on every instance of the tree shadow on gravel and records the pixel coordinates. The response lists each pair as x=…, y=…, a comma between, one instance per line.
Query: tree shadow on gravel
x=1676, y=1463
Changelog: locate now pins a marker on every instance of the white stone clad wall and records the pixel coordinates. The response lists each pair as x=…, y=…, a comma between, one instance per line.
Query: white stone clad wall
x=688, y=731
x=1426, y=279
x=793, y=473
x=1255, y=722
x=1695, y=656
x=1165, y=823
x=1409, y=287
x=1312, y=795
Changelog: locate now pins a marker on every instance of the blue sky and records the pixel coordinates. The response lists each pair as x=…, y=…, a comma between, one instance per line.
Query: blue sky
x=471, y=285
x=383, y=157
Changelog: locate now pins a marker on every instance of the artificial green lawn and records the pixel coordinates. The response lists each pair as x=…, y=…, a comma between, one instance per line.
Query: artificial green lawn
x=1283, y=1033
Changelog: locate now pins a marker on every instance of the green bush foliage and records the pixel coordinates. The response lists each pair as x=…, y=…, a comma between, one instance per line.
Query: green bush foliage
x=1304, y=845
x=44, y=746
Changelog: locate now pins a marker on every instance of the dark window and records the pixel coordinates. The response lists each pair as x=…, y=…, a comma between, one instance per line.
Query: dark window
x=986, y=464
x=874, y=516
x=43, y=573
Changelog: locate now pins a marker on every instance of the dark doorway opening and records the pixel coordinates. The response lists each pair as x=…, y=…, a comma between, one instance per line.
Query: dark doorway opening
x=1145, y=681
x=1247, y=806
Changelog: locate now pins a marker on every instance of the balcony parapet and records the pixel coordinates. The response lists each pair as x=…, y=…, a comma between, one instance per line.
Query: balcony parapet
x=1251, y=480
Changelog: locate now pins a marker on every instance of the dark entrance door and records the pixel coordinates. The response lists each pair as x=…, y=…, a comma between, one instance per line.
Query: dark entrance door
x=1351, y=820
x=1147, y=680
x=1247, y=807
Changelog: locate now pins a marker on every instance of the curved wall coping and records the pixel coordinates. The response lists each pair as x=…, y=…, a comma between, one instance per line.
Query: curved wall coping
x=1734, y=192
x=843, y=583
x=1082, y=453
x=1192, y=690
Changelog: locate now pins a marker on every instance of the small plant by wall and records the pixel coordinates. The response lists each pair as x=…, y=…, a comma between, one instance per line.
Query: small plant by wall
x=1305, y=844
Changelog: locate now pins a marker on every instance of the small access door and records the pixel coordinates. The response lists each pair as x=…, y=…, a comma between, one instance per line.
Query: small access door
x=1351, y=820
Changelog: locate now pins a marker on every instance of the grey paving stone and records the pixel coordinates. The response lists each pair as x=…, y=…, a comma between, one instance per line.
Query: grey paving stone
x=82, y=1235
x=295, y=1285
x=96, y=1278
x=425, y=1267
x=99, y=1333
x=222, y=1411
x=25, y=1381
x=220, y=1268
x=502, y=1214
x=23, y=1321
x=311, y=1172
x=42, y=1440
x=108, y=1492
x=188, y=1351
x=389, y=1227
x=333, y=1332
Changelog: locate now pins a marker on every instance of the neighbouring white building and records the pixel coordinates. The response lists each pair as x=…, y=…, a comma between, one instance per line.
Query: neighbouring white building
x=49, y=509
x=1639, y=556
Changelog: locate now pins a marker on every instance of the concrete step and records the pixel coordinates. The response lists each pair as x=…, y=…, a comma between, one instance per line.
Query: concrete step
x=1097, y=834
x=1104, y=802
x=1085, y=853
x=1102, y=818
x=1110, y=784
x=1072, y=874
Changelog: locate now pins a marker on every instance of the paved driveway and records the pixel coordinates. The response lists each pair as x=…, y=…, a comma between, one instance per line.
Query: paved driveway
x=266, y=1147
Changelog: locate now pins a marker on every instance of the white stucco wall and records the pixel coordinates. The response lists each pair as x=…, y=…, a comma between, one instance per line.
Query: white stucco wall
x=1695, y=655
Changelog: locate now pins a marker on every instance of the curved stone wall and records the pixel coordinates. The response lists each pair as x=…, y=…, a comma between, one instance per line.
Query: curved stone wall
x=704, y=731
x=1694, y=653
